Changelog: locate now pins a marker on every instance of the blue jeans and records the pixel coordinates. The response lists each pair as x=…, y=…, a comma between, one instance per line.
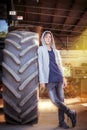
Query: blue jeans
x=56, y=94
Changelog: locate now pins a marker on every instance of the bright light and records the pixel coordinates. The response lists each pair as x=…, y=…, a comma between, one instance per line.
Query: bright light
x=46, y=105
x=12, y=12
x=19, y=17
x=84, y=104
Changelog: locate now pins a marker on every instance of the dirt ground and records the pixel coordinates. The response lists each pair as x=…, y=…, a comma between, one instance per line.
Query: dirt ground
x=48, y=117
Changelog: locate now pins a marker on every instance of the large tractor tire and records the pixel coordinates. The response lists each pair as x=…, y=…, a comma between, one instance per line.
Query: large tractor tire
x=20, y=77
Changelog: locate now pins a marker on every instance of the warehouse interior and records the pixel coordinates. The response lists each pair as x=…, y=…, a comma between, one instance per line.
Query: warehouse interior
x=67, y=20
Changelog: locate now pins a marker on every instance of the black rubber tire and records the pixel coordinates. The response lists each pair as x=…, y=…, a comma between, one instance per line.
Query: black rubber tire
x=20, y=77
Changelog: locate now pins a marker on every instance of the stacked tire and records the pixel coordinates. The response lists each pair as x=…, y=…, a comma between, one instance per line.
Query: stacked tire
x=20, y=77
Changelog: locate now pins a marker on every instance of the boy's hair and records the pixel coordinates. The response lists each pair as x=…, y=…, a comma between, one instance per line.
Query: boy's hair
x=47, y=33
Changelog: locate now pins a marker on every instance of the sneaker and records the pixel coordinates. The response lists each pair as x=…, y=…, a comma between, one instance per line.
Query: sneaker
x=64, y=125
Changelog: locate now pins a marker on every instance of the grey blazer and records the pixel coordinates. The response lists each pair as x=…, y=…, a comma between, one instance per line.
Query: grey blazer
x=43, y=61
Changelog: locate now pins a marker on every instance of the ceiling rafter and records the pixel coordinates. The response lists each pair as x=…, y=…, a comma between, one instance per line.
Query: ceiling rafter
x=81, y=22
x=69, y=6
x=74, y=14
x=61, y=16
x=50, y=23
x=54, y=12
x=47, y=14
x=77, y=21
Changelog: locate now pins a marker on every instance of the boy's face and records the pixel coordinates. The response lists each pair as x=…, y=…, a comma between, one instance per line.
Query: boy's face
x=48, y=39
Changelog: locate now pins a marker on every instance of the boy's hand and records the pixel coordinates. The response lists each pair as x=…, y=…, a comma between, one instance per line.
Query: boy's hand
x=42, y=86
x=64, y=83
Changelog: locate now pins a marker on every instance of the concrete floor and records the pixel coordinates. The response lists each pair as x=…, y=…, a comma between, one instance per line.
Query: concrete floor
x=48, y=117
